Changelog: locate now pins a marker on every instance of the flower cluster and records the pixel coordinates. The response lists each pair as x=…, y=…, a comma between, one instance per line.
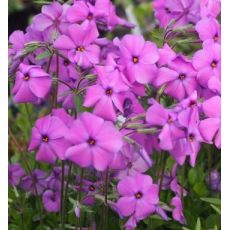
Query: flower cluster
x=136, y=100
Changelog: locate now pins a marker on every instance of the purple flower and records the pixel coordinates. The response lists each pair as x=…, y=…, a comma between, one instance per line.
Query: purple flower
x=32, y=84
x=178, y=210
x=214, y=180
x=179, y=78
x=207, y=62
x=139, y=58
x=139, y=196
x=51, y=200
x=48, y=137
x=157, y=115
x=15, y=173
x=102, y=13
x=106, y=94
x=50, y=22
x=95, y=143
x=35, y=184
x=210, y=128
x=182, y=11
x=209, y=30
x=209, y=8
x=79, y=44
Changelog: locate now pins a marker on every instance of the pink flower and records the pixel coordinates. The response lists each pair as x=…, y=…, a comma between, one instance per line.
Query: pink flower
x=79, y=44
x=207, y=63
x=32, y=84
x=48, y=137
x=178, y=210
x=138, y=57
x=210, y=128
x=51, y=200
x=209, y=8
x=209, y=30
x=158, y=116
x=183, y=12
x=50, y=22
x=102, y=13
x=138, y=196
x=179, y=78
x=94, y=142
x=106, y=94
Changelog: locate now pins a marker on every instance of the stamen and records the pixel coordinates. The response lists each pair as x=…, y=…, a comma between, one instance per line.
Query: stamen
x=135, y=60
x=81, y=48
x=45, y=139
x=138, y=195
x=91, y=141
x=109, y=92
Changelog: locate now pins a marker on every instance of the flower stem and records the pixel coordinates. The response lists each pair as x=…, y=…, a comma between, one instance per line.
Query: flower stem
x=106, y=199
x=79, y=196
x=66, y=191
x=62, y=195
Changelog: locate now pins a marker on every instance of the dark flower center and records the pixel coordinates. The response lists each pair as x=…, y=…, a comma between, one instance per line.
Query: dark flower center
x=216, y=38
x=135, y=60
x=168, y=10
x=26, y=78
x=129, y=165
x=191, y=137
x=90, y=16
x=138, y=195
x=91, y=141
x=170, y=120
x=45, y=138
x=192, y=103
x=81, y=48
x=214, y=64
x=66, y=62
x=109, y=92
x=182, y=76
x=91, y=188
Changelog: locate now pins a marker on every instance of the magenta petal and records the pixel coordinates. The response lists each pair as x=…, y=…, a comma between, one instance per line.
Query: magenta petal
x=144, y=182
x=93, y=95
x=144, y=73
x=165, y=75
x=24, y=94
x=40, y=86
x=165, y=138
x=149, y=54
x=82, y=134
x=152, y=194
x=101, y=158
x=157, y=114
x=143, y=209
x=209, y=127
x=41, y=22
x=109, y=138
x=93, y=128
x=64, y=43
x=127, y=186
x=46, y=154
x=109, y=113
x=78, y=12
x=126, y=205
x=80, y=154
x=211, y=107
x=59, y=146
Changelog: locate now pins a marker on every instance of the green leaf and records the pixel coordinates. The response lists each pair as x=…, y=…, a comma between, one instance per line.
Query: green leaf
x=43, y=55
x=217, y=209
x=198, y=224
x=216, y=201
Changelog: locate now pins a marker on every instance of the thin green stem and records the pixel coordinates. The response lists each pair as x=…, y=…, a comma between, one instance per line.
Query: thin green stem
x=62, y=195
x=55, y=84
x=163, y=167
x=66, y=190
x=79, y=196
x=106, y=199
